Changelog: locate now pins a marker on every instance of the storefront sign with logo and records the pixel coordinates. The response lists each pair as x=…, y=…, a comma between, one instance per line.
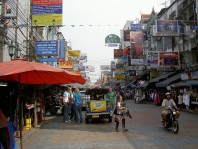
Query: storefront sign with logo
x=66, y=64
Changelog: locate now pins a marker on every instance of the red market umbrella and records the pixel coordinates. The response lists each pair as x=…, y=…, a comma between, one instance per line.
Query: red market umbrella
x=26, y=72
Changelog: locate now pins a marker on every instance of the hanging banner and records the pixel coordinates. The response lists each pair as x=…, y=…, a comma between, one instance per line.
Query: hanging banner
x=112, y=40
x=168, y=58
x=73, y=53
x=118, y=53
x=66, y=65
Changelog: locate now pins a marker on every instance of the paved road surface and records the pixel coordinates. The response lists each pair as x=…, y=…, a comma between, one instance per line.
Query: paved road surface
x=145, y=132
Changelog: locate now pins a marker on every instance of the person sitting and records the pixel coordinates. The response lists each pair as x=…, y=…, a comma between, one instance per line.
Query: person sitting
x=168, y=102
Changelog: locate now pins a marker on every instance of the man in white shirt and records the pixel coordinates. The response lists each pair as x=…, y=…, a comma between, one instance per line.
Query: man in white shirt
x=66, y=96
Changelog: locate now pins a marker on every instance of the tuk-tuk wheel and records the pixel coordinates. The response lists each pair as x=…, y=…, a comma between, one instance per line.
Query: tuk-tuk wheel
x=86, y=120
x=110, y=119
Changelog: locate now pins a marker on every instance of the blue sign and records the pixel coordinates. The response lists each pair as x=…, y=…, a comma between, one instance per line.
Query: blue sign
x=62, y=49
x=136, y=27
x=48, y=59
x=53, y=9
x=47, y=48
x=167, y=27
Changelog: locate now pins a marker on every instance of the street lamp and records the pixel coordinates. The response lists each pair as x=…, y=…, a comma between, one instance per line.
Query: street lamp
x=17, y=52
x=11, y=49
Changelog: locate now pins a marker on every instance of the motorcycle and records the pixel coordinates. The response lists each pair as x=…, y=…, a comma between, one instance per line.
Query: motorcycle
x=171, y=120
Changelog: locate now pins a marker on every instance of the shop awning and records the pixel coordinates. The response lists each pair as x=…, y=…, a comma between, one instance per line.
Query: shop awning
x=179, y=84
x=169, y=80
x=192, y=82
x=157, y=79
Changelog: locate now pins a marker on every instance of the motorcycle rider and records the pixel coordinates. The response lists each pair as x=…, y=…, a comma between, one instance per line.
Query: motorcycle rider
x=168, y=102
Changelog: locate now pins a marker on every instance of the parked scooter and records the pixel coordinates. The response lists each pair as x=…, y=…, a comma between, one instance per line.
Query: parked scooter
x=171, y=121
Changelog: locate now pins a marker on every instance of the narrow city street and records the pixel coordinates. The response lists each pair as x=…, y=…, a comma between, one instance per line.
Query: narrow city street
x=145, y=132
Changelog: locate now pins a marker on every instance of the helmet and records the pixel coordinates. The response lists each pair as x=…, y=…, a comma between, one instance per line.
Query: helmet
x=167, y=93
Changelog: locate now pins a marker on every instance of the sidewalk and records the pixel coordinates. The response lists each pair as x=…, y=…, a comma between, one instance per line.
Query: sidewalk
x=28, y=133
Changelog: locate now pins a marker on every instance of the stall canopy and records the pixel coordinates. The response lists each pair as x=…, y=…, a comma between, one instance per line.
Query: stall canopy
x=169, y=80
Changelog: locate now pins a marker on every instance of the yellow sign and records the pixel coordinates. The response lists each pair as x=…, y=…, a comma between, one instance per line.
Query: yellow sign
x=154, y=74
x=73, y=53
x=98, y=106
x=46, y=19
x=119, y=76
x=66, y=64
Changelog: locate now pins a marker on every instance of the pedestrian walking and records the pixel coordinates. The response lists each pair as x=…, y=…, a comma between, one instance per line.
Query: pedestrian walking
x=119, y=114
x=4, y=131
x=180, y=100
x=71, y=105
x=186, y=100
x=78, y=104
x=66, y=96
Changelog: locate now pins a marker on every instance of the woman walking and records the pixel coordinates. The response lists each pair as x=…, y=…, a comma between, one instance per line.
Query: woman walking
x=119, y=114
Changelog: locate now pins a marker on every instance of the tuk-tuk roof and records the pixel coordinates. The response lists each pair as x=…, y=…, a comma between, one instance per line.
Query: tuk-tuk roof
x=97, y=91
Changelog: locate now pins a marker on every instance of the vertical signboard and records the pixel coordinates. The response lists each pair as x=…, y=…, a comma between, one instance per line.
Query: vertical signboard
x=136, y=39
x=62, y=49
x=126, y=34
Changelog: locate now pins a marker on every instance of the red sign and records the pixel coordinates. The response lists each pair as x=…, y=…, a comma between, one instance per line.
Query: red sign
x=168, y=58
x=118, y=53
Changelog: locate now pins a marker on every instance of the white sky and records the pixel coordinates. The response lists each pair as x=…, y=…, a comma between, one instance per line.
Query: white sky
x=91, y=40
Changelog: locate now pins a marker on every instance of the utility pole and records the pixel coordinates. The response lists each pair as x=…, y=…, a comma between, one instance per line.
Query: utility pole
x=2, y=29
x=16, y=24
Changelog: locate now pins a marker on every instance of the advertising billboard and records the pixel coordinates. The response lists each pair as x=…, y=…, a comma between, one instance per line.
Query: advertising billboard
x=137, y=43
x=46, y=12
x=168, y=58
x=166, y=28
x=152, y=57
x=47, y=48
